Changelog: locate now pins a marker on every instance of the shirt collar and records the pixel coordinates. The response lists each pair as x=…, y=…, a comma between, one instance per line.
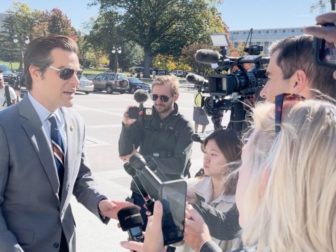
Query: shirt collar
x=204, y=189
x=44, y=113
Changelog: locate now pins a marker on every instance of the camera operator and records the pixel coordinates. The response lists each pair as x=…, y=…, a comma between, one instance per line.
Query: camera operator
x=163, y=138
x=293, y=69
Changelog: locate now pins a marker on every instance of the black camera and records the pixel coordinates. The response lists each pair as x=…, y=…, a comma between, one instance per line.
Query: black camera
x=234, y=80
x=325, y=52
x=134, y=112
x=171, y=193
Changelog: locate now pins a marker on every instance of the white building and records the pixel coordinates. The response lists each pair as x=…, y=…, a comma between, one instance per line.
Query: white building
x=263, y=37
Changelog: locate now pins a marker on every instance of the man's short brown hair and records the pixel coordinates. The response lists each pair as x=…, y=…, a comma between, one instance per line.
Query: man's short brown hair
x=38, y=53
x=296, y=53
x=171, y=80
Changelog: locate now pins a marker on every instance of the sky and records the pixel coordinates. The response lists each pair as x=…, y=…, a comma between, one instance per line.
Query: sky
x=237, y=14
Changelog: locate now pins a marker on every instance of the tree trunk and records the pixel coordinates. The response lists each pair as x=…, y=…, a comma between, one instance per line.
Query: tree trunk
x=148, y=57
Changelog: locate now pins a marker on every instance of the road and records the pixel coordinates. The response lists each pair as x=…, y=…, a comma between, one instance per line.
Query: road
x=102, y=114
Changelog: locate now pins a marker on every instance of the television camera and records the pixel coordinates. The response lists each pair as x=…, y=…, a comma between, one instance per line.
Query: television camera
x=153, y=185
x=234, y=81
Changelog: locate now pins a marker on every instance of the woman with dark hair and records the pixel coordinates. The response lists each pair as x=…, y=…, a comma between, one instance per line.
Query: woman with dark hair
x=217, y=187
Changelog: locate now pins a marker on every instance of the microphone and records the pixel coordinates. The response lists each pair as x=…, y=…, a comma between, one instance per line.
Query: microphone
x=131, y=171
x=196, y=79
x=130, y=220
x=208, y=56
x=140, y=96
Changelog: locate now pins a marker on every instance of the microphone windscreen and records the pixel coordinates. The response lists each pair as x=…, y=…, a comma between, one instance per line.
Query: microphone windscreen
x=196, y=79
x=129, y=217
x=140, y=96
x=207, y=56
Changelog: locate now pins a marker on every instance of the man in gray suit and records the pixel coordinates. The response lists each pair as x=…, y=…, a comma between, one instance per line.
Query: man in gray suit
x=37, y=180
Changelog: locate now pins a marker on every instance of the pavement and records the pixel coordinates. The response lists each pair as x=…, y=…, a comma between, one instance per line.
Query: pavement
x=92, y=234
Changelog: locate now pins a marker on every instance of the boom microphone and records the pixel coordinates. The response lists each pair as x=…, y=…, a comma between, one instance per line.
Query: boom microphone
x=196, y=79
x=208, y=56
x=140, y=96
x=130, y=220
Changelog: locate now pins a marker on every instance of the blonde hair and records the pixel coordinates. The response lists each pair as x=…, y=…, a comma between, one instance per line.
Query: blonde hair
x=170, y=80
x=298, y=209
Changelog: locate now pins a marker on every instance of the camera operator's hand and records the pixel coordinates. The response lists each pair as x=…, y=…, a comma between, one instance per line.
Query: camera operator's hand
x=324, y=32
x=127, y=121
x=126, y=158
x=196, y=232
x=153, y=236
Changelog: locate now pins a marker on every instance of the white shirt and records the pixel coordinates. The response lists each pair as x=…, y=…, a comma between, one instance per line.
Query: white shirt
x=12, y=95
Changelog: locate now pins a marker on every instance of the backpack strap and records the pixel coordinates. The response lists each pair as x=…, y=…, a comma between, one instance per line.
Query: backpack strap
x=7, y=96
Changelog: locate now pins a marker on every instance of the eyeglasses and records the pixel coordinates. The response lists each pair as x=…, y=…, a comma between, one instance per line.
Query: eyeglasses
x=66, y=73
x=163, y=98
x=283, y=101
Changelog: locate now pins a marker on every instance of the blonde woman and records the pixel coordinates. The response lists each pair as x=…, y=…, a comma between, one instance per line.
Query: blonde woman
x=286, y=193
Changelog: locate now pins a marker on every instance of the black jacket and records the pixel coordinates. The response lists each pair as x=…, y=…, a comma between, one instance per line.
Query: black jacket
x=167, y=142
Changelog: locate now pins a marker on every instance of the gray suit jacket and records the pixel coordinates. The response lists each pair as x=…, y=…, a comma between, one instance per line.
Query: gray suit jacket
x=32, y=216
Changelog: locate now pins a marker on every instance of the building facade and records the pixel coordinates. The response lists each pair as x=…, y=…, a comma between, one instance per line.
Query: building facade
x=263, y=37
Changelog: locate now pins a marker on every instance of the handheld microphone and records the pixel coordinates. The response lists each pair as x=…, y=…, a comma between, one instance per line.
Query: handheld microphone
x=140, y=96
x=208, y=56
x=130, y=220
x=196, y=79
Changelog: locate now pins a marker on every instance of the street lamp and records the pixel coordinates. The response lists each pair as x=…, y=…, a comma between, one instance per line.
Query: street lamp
x=22, y=40
x=116, y=51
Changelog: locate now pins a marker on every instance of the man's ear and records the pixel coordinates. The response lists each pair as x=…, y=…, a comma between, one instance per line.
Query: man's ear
x=299, y=83
x=35, y=72
x=175, y=97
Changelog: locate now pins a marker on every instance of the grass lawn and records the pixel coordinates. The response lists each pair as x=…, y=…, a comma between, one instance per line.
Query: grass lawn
x=12, y=65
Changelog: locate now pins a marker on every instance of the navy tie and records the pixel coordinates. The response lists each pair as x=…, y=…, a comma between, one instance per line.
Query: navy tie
x=58, y=148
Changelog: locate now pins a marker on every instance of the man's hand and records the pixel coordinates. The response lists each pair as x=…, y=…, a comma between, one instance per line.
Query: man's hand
x=110, y=208
x=325, y=32
x=153, y=236
x=196, y=232
x=126, y=158
x=127, y=121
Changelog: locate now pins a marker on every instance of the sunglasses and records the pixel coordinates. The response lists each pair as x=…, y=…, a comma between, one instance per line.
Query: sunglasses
x=283, y=101
x=163, y=98
x=67, y=73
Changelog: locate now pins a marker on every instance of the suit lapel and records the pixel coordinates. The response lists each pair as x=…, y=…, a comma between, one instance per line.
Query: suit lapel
x=34, y=130
x=70, y=151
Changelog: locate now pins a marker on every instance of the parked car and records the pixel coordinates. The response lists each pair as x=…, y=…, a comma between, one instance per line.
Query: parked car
x=110, y=82
x=8, y=75
x=135, y=84
x=178, y=73
x=85, y=85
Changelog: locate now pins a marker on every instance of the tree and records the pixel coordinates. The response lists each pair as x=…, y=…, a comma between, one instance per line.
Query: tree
x=23, y=24
x=159, y=26
x=18, y=26
x=59, y=23
x=104, y=34
x=188, y=57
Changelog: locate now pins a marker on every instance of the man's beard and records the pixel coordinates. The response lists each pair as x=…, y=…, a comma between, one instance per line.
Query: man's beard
x=164, y=109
